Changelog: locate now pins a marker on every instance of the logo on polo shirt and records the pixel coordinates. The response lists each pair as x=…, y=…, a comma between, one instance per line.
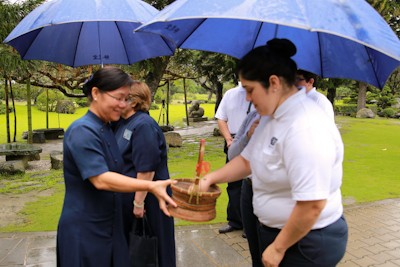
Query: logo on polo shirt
x=127, y=134
x=273, y=141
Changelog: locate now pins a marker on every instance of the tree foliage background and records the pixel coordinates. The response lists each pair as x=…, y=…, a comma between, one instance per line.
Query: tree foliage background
x=210, y=71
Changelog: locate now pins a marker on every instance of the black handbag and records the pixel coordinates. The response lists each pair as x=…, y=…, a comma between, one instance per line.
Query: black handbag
x=143, y=250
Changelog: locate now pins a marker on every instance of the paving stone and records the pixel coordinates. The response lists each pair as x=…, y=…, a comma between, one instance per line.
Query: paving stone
x=386, y=264
x=366, y=261
x=349, y=264
x=383, y=257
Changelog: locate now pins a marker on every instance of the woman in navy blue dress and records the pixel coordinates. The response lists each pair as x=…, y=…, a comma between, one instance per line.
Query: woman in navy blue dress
x=90, y=231
x=144, y=151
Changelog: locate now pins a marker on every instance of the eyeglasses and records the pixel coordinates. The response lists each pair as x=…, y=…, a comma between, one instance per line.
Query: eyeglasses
x=298, y=79
x=120, y=99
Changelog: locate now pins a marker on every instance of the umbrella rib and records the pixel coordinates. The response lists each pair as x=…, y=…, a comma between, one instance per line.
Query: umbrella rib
x=172, y=49
x=258, y=34
x=76, y=45
x=168, y=41
x=370, y=60
x=123, y=43
x=320, y=55
x=98, y=34
x=187, y=37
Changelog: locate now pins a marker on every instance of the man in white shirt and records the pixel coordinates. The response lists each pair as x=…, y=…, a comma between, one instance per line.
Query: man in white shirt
x=231, y=112
x=249, y=220
x=307, y=79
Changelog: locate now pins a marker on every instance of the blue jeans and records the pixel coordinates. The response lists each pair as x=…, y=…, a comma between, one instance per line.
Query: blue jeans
x=250, y=222
x=319, y=248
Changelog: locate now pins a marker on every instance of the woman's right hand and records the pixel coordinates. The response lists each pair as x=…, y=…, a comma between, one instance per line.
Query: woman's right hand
x=204, y=184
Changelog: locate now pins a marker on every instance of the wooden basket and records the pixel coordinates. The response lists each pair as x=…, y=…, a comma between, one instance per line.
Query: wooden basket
x=196, y=206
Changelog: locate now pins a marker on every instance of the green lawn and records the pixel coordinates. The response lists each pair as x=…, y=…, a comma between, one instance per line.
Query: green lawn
x=372, y=149
x=176, y=115
x=372, y=155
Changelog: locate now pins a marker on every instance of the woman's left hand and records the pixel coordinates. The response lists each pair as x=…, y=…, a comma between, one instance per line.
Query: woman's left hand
x=159, y=189
x=138, y=212
x=271, y=257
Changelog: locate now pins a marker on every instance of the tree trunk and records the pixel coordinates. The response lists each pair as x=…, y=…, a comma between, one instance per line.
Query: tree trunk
x=7, y=111
x=185, y=95
x=47, y=108
x=15, y=113
x=209, y=96
x=331, y=95
x=29, y=103
x=154, y=77
x=168, y=92
x=362, y=96
x=218, y=95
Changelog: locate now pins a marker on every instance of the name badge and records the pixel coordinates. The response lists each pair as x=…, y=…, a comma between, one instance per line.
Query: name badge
x=127, y=134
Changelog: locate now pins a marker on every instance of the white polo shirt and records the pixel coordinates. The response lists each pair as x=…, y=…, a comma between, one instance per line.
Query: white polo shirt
x=322, y=101
x=295, y=155
x=233, y=108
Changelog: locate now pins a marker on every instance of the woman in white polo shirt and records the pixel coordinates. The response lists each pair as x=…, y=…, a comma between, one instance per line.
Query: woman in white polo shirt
x=295, y=157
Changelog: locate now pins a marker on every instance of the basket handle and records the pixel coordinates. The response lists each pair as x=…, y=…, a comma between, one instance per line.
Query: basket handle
x=200, y=159
x=195, y=189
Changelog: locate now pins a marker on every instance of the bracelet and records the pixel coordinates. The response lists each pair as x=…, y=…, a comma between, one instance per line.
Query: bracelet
x=137, y=205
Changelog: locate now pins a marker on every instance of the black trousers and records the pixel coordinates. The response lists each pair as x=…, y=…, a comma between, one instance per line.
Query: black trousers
x=250, y=222
x=234, y=191
x=323, y=247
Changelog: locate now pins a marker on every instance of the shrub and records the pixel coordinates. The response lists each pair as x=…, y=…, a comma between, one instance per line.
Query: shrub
x=2, y=109
x=54, y=97
x=386, y=101
x=346, y=110
x=154, y=106
x=159, y=96
x=349, y=100
x=389, y=113
x=342, y=92
x=82, y=102
x=65, y=106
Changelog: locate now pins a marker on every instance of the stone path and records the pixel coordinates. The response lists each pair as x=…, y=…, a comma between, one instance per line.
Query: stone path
x=374, y=241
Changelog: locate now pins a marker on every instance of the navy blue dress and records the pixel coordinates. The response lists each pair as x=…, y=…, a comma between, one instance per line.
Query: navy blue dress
x=143, y=147
x=90, y=231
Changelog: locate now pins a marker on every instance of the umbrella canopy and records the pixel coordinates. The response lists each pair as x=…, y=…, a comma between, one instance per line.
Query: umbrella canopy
x=334, y=38
x=89, y=32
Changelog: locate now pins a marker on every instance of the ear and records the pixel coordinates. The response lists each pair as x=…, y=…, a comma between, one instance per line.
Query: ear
x=311, y=81
x=95, y=92
x=274, y=82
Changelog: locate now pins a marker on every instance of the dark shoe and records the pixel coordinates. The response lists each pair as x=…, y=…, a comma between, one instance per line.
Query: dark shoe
x=244, y=235
x=227, y=229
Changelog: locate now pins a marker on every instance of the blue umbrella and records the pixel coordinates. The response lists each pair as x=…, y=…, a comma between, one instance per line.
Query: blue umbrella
x=334, y=38
x=89, y=32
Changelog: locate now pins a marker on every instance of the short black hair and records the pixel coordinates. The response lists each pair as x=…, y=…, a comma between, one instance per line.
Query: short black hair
x=307, y=75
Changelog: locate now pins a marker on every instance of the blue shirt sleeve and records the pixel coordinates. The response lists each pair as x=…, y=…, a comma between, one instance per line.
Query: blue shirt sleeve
x=86, y=149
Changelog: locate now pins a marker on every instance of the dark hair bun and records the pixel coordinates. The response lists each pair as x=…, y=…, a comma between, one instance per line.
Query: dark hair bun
x=85, y=89
x=87, y=86
x=284, y=47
